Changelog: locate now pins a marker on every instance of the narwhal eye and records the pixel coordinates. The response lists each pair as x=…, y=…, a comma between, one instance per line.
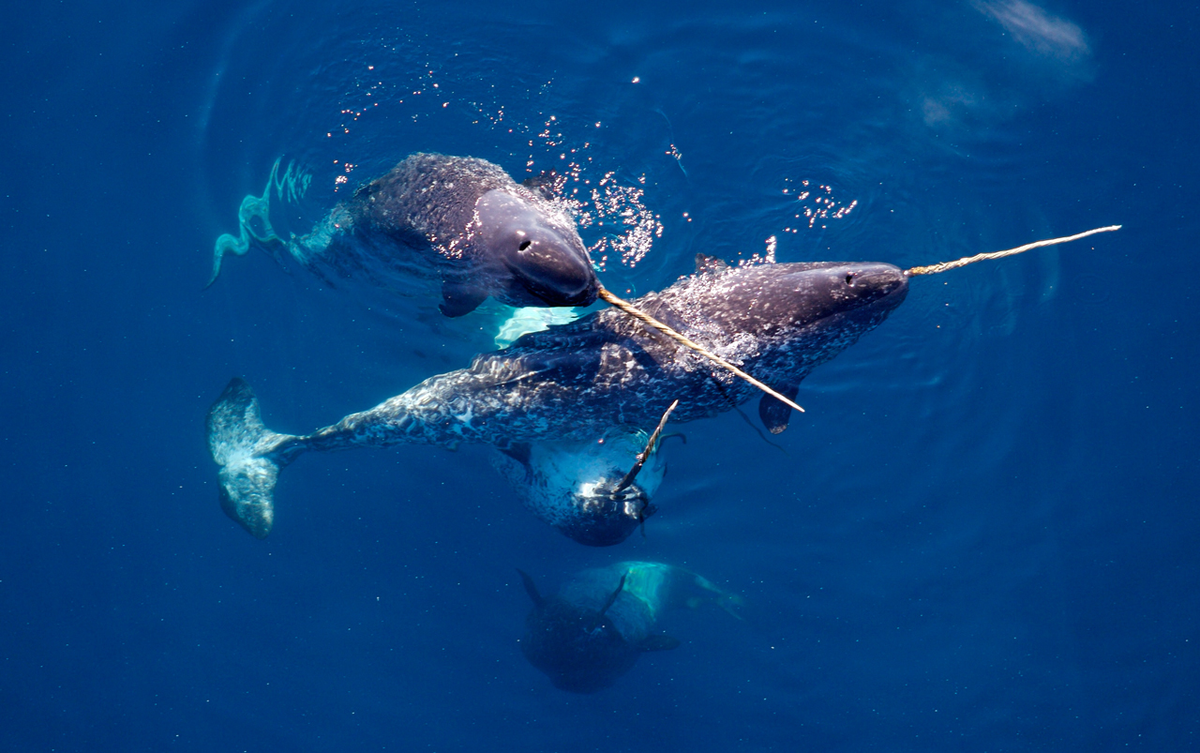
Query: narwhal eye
x=524, y=244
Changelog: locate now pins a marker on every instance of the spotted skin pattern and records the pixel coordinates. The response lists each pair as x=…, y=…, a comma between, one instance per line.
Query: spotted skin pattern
x=777, y=321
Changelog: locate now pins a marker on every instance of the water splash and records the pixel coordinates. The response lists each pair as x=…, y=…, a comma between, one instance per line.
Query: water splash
x=254, y=215
x=816, y=204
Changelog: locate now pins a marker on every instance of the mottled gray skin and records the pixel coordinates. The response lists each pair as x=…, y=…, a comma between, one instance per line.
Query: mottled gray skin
x=596, y=627
x=777, y=321
x=573, y=486
x=572, y=382
x=465, y=220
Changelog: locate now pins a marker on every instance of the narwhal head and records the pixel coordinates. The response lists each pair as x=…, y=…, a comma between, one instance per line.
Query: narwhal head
x=597, y=492
x=540, y=251
x=578, y=648
x=604, y=515
x=848, y=298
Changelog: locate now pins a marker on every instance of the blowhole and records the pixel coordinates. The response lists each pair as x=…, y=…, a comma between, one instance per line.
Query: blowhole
x=524, y=244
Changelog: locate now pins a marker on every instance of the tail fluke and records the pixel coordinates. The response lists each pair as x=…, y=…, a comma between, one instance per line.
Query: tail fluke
x=246, y=452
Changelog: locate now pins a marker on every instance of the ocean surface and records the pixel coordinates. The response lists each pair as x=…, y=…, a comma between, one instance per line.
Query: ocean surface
x=981, y=536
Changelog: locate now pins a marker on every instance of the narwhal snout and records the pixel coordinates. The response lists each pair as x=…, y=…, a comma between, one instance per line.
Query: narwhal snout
x=875, y=282
x=555, y=272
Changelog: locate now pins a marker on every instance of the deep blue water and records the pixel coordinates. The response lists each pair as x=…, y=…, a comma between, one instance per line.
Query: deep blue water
x=982, y=535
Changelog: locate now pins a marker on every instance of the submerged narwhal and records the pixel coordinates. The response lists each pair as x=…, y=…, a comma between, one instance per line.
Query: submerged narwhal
x=596, y=627
x=595, y=492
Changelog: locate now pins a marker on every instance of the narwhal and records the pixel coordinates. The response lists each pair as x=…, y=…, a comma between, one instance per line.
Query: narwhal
x=461, y=220
x=596, y=627
x=596, y=492
x=574, y=382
